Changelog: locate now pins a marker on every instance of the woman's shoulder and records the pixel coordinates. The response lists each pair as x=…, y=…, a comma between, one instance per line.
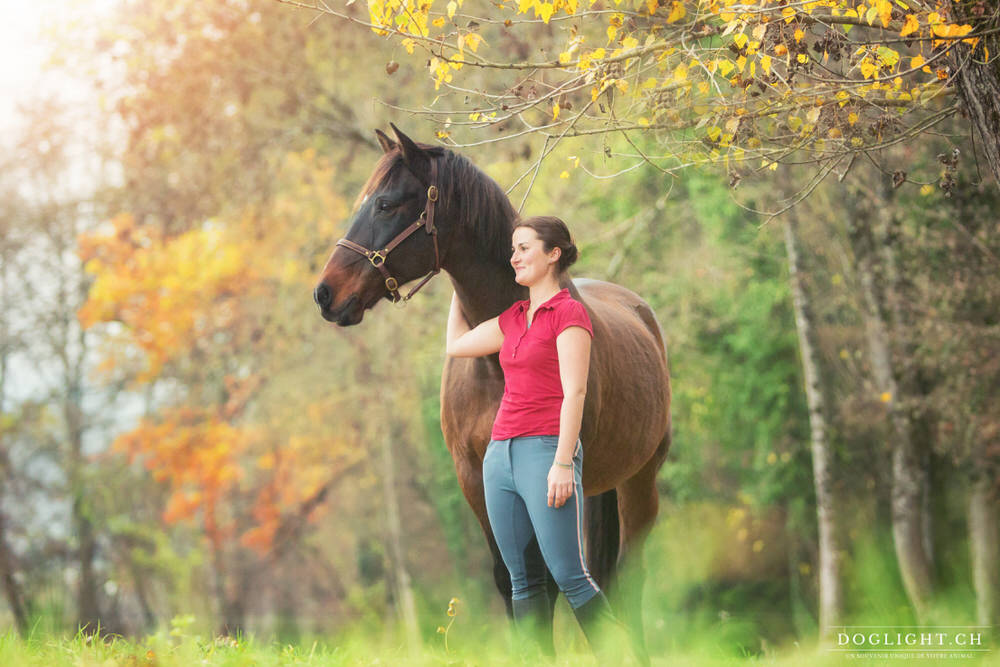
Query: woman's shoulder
x=570, y=312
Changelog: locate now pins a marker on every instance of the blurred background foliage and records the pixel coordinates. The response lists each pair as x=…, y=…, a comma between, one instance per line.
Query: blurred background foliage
x=180, y=433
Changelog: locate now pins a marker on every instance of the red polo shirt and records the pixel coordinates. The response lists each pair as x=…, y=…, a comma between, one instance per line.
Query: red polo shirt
x=532, y=395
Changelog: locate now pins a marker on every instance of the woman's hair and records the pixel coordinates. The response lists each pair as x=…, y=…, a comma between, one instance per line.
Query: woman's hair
x=554, y=234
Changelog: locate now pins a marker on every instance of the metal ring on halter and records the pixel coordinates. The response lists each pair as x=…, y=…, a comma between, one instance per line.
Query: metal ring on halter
x=391, y=284
x=379, y=256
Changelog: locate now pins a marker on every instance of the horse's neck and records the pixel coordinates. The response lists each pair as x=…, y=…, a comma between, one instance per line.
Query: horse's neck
x=484, y=285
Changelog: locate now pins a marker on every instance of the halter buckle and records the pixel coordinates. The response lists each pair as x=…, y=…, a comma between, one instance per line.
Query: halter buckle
x=377, y=255
x=432, y=193
x=391, y=284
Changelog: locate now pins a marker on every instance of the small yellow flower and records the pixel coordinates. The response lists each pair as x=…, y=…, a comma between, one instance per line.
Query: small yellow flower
x=440, y=629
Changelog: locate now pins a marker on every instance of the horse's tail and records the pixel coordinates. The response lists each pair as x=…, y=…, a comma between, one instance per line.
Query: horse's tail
x=601, y=513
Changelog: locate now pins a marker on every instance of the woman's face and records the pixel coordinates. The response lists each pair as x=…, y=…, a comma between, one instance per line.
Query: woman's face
x=528, y=257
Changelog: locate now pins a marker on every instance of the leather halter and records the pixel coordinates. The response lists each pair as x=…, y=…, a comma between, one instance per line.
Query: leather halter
x=378, y=257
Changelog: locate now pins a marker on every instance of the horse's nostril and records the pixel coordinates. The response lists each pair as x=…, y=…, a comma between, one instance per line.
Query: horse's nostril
x=322, y=296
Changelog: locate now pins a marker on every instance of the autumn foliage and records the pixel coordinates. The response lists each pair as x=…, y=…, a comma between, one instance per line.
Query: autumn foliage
x=751, y=84
x=202, y=308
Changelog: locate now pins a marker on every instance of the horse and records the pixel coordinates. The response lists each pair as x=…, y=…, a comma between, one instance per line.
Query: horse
x=427, y=208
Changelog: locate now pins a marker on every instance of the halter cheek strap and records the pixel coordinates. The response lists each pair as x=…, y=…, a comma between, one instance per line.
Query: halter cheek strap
x=378, y=257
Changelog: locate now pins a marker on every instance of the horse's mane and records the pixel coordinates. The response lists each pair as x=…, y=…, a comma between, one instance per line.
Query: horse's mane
x=472, y=199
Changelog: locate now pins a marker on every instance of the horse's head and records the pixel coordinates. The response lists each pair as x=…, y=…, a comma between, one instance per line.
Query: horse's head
x=393, y=236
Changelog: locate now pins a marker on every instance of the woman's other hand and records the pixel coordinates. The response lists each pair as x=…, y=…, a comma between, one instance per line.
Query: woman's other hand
x=560, y=485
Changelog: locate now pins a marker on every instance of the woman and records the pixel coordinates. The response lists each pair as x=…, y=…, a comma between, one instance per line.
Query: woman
x=533, y=464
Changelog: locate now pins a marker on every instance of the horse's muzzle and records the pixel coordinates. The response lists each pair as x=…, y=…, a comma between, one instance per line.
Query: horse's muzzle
x=348, y=314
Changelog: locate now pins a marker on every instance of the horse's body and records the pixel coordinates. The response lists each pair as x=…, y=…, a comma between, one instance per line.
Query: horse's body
x=626, y=420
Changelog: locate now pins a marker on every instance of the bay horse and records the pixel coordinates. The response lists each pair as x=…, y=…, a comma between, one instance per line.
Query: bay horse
x=426, y=208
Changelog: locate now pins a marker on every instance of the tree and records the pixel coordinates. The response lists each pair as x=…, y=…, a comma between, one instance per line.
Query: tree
x=750, y=85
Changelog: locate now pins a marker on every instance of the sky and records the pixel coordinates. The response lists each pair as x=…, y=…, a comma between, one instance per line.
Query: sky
x=21, y=51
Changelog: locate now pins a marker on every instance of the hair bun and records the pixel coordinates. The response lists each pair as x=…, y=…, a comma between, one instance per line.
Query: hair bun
x=569, y=255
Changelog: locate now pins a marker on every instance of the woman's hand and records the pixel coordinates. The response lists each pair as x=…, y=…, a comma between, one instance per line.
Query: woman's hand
x=560, y=485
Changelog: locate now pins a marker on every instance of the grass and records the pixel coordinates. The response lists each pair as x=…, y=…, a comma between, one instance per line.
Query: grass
x=169, y=649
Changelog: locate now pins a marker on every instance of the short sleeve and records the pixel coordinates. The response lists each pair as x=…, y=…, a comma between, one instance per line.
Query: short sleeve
x=572, y=314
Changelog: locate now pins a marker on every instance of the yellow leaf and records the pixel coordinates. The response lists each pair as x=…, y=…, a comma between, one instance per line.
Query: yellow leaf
x=452, y=7
x=677, y=11
x=741, y=62
x=740, y=40
x=884, y=11
x=868, y=69
x=544, y=10
x=885, y=397
x=910, y=25
x=612, y=31
x=852, y=118
x=789, y=14
x=871, y=14
x=916, y=62
x=564, y=58
x=643, y=121
x=408, y=44
x=725, y=67
x=565, y=174
x=799, y=35
x=714, y=132
x=555, y=111
x=802, y=58
x=765, y=62
x=780, y=49
x=472, y=40
x=648, y=83
x=652, y=6
x=630, y=43
x=681, y=73
x=926, y=189
x=438, y=22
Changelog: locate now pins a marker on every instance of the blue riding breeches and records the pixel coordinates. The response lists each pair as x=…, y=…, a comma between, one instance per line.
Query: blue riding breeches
x=515, y=476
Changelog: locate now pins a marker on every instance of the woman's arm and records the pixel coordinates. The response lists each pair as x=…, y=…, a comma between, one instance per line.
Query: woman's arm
x=462, y=342
x=573, y=347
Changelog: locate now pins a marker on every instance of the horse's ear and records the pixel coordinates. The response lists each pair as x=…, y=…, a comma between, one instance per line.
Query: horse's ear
x=414, y=156
x=388, y=145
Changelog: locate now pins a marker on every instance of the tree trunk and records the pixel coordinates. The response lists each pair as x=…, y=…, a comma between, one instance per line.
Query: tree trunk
x=978, y=83
x=401, y=577
x=984, y=547
x=830, y=591
x=909, y=476
x=11, y=589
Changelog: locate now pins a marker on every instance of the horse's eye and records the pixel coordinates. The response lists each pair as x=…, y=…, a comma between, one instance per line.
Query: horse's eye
x=383, y=205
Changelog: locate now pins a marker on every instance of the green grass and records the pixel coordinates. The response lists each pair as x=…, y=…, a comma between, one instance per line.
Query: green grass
x=181, y=650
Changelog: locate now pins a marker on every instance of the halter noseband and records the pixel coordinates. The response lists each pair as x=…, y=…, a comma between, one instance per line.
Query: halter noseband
x=378, y=257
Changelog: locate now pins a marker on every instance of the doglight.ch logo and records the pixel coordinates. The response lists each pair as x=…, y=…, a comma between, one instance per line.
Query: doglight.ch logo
x=911, y=641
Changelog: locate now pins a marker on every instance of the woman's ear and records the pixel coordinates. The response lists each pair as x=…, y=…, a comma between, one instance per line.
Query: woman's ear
x=555, y=254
